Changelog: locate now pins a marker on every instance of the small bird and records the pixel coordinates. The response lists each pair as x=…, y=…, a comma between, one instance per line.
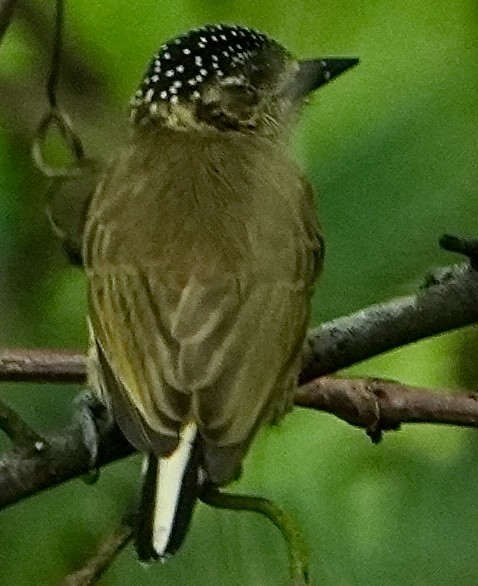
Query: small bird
x=201, y=249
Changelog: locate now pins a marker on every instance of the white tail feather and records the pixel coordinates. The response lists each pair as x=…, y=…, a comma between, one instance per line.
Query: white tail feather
x=168, y=487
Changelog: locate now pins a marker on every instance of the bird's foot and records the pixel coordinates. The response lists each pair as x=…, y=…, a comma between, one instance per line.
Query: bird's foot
x=90, y=413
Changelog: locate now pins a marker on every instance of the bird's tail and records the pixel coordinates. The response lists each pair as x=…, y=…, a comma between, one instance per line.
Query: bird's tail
x=170, y=489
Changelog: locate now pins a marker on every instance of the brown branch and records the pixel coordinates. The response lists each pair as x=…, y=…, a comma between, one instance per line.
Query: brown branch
x=374, y=405
x=448, y=301
x=40, y=365
x=379, y=405
x=27, y=472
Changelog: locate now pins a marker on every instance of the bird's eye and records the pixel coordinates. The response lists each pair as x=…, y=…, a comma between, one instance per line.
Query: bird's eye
x=240, y=96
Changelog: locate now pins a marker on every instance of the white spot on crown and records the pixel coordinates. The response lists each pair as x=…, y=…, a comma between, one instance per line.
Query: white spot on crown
x=191, y=73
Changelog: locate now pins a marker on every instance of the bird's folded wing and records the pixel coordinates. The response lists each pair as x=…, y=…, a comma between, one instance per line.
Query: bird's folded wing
x=223, y=352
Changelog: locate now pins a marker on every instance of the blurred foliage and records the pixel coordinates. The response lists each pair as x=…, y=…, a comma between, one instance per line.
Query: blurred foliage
x=391, y=148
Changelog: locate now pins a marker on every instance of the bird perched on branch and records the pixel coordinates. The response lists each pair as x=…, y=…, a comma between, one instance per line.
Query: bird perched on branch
x=201, y=249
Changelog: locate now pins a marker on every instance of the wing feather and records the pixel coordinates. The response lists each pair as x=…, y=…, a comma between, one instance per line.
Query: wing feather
x=222, y=356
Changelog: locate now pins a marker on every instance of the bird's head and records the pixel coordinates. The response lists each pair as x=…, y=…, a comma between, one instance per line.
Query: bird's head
x=227, y=78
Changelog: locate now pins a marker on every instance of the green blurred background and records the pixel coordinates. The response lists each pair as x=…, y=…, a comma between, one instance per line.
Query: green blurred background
x=391, y=148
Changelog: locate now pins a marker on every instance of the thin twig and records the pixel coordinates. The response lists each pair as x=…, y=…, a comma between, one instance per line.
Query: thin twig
x=53, y=78
x=21, y=434
x=54, y=117
x=6, y=11
x=101, y=560
x=297, y=550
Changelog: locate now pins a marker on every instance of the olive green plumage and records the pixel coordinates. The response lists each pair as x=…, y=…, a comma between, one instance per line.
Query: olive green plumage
x=202, y=248
x=200, y=278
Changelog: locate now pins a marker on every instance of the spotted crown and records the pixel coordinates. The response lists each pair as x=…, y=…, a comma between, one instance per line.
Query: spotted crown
x=179, y=70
